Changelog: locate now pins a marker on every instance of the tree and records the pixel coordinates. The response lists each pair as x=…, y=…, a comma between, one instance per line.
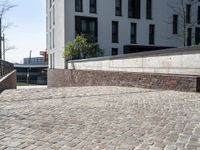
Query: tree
x=5, y=6
x=185, y=17
x=82, y=47
x=6, y=47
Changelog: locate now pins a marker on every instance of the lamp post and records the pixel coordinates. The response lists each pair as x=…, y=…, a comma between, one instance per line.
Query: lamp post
x=1, y=62
x=0, y=38
x=4, y=47
x=28, y=69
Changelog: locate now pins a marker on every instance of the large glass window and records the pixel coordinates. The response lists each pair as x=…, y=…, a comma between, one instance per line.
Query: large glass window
x=134, y=9
x=86, y=25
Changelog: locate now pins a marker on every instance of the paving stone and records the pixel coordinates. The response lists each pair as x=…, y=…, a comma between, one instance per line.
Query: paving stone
x=97, y=118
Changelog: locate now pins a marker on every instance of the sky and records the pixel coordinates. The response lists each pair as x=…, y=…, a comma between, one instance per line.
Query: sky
x=27, y=31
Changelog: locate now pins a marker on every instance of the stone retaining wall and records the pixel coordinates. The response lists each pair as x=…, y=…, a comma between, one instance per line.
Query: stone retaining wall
x=62, y=78
x=8, y=82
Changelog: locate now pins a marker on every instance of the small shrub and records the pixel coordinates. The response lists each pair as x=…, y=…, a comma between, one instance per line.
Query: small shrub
x=82, y=47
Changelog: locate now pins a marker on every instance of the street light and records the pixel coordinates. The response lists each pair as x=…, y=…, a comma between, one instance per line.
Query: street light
x=28, y=69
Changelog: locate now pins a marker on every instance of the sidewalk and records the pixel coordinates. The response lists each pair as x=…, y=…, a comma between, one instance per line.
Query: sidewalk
x=98, y=118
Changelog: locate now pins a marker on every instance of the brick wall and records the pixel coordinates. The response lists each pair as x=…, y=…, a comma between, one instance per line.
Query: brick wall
x=65, y=77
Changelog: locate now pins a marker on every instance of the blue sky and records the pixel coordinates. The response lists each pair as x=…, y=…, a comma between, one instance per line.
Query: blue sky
x=28, y=29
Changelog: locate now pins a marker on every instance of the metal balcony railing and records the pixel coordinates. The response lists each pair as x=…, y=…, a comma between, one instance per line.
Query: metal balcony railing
x=5, y=68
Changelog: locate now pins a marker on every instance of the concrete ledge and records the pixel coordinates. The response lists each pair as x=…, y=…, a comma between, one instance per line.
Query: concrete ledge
x=169, y=61
x=8, y=82
x=64, y=77
x=164, y=52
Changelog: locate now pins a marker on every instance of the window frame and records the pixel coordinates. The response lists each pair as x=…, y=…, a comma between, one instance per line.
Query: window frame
x=115, y=51
x=93, y=6
x=115, y=32
x=151, y=34
x=118, y=9
x=175, y=24
x=149, y=9
x=133, y=34
x=134, y=9
x=80, y=8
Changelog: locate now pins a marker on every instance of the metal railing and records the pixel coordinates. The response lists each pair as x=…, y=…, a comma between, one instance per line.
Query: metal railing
x=5, y=68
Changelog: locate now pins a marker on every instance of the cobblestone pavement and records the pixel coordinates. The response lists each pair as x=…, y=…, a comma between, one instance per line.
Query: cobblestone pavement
x=96, y=118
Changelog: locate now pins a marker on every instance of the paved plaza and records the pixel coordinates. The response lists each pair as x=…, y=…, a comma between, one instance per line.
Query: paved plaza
x=99, y=118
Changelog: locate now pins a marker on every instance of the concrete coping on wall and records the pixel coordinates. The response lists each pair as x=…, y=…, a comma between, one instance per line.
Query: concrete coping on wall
x=164, y=52
x=8, y=81
x=6, y=76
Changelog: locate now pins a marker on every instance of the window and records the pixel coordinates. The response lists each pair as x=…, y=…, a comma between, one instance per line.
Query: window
x=86, y=25
x=50, y=61
x=189, y=37
x=198, y=15
x=115, y=32
x=149, y=9
x=47, y=42
x=50, y=4
x=53, y=39
x=151, y=34
x=53, y=61
x=78, y=5
x=175, y=24
x=93, y=6
x=118, y=7
x=114, y=51
x=47, y=4
x=53, y=15
x=133, y=33
x=50, y=40
x=46, y=23
x=197, y=35
x=134, y=9
x=188, y=13
x=50, y=20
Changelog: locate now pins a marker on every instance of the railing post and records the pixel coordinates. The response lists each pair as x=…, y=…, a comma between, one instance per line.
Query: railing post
x=1, y=67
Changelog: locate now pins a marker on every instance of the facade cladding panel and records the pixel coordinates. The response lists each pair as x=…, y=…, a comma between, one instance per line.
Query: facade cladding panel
x=147, y=24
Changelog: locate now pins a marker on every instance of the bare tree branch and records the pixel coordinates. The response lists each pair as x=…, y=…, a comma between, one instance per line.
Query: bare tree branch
x=6, y=26
x=179, y=7
x=5, y=6
x=8, y=48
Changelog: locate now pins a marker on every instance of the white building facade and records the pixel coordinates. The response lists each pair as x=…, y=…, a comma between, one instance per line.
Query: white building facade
x=121, y=26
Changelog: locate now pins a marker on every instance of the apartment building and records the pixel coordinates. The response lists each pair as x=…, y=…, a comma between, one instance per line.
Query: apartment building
x=121, y=26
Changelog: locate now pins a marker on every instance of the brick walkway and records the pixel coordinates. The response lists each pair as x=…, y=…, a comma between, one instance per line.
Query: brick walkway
x=96, y=118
